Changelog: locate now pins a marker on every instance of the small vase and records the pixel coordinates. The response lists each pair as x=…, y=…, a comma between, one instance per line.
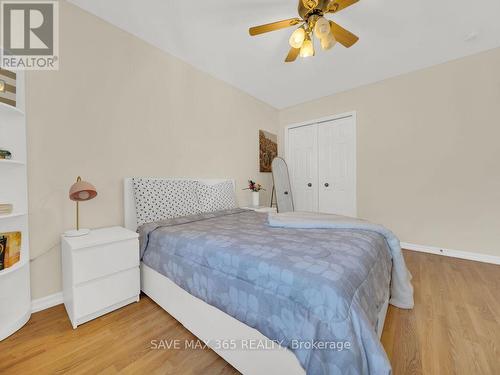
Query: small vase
x=255, y=198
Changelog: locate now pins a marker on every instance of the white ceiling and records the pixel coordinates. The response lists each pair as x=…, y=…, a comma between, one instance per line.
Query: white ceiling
x=396, y=36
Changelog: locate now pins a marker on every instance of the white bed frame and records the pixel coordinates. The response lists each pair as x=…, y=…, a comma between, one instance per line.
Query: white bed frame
x=210, y=324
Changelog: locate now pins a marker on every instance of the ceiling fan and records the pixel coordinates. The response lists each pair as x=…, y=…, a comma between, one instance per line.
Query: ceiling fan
x=312, y=21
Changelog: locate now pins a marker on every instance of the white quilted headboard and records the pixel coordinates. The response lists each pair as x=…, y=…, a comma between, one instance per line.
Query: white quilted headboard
x=130, y=217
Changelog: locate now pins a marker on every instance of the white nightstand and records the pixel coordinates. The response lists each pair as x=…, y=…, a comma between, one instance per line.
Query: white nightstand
x=100, y=272
x=260, y=208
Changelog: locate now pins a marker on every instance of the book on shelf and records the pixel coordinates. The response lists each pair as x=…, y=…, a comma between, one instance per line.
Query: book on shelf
x=5, y=208
x=10, y=249
x=5, y=154
x=8, y=87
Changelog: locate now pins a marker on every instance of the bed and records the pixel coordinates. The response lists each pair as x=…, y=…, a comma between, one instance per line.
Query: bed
x=240, y=344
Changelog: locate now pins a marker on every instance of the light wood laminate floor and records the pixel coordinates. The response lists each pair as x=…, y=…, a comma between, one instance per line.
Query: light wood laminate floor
x=453, y=329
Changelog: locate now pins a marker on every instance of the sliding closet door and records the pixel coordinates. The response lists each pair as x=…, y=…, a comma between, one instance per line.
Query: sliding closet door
x=337, y=166
x=303, y=165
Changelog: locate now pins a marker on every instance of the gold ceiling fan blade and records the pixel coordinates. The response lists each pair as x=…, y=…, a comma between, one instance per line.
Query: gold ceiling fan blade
x=337, y=5
x=292, y=55
x=274, y=26
x=343, y=36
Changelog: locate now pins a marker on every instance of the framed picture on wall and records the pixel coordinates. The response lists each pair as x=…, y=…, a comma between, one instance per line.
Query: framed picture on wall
x=268, y=149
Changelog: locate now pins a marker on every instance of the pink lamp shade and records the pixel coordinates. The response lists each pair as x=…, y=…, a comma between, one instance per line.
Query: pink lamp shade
x=82, y=191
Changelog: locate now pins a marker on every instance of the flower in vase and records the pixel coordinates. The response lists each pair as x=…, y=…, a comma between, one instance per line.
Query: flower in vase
x=254, y=186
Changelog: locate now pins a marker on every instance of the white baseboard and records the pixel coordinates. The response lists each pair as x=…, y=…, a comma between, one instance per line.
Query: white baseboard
x=478, y=257
x=43, y=303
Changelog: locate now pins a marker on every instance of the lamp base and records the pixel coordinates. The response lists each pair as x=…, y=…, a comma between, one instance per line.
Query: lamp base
x=76, y=233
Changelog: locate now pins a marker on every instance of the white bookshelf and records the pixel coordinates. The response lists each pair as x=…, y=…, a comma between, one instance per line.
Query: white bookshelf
x=15, y=297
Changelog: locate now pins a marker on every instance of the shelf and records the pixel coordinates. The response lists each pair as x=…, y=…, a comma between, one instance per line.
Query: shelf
x=5, y=108
x=15, y=304
x=14, y=214
x=12, y=162
x=15, y=267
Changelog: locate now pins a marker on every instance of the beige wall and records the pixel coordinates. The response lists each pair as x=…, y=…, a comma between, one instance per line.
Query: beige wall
x=428, y=152
x=120, y=107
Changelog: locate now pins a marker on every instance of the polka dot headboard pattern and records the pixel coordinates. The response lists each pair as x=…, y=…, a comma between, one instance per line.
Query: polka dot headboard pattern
x=216, y=197
x=158, y=199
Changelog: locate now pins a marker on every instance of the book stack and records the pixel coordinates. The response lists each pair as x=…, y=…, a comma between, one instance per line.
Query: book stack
x=5, y=209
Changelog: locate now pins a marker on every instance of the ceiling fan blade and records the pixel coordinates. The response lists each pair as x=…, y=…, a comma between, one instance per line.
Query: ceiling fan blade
x=273, y=26
x=292, y=55
x=344, y=37
x=337, y=5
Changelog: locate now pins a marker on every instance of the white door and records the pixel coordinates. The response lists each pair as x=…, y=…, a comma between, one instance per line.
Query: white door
x=337, y=167
x=303, y=165
x=322, y=166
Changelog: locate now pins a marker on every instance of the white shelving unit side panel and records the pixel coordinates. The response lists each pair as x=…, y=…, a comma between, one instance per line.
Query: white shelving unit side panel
x=13, y=173
x=15, y=295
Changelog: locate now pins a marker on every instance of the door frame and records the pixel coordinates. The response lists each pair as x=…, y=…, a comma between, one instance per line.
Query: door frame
x=320, y=120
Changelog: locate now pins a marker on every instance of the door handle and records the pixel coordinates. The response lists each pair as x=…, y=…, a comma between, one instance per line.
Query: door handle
x=286, y=192
x=309, y=184
x=327, y=184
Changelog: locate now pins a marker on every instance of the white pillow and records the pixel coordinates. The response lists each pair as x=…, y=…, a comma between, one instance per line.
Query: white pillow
x=158, y=199
x=216, y=197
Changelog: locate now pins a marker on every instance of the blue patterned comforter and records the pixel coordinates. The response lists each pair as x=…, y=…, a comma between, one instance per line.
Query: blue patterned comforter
x=315, y=291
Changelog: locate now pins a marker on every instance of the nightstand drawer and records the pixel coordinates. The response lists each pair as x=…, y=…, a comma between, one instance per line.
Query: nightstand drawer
x=102, y=293
x=94, y=262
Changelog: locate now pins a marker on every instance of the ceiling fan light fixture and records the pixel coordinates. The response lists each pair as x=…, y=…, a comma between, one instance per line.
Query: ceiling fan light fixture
x=297, y=38
x=311, y=23
x=307, y=49
x=321, y=28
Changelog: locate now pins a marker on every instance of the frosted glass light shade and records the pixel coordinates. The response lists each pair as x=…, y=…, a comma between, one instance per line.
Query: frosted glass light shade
x=307, y=48
x=297, y=38
x=328, y=41
x=322, y=28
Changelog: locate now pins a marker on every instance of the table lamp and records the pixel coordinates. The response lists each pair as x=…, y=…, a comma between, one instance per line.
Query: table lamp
x=80, y=191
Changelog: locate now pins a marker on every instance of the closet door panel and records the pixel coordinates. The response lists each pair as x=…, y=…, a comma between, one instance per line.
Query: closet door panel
x=303, y=161
x=337, y=167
